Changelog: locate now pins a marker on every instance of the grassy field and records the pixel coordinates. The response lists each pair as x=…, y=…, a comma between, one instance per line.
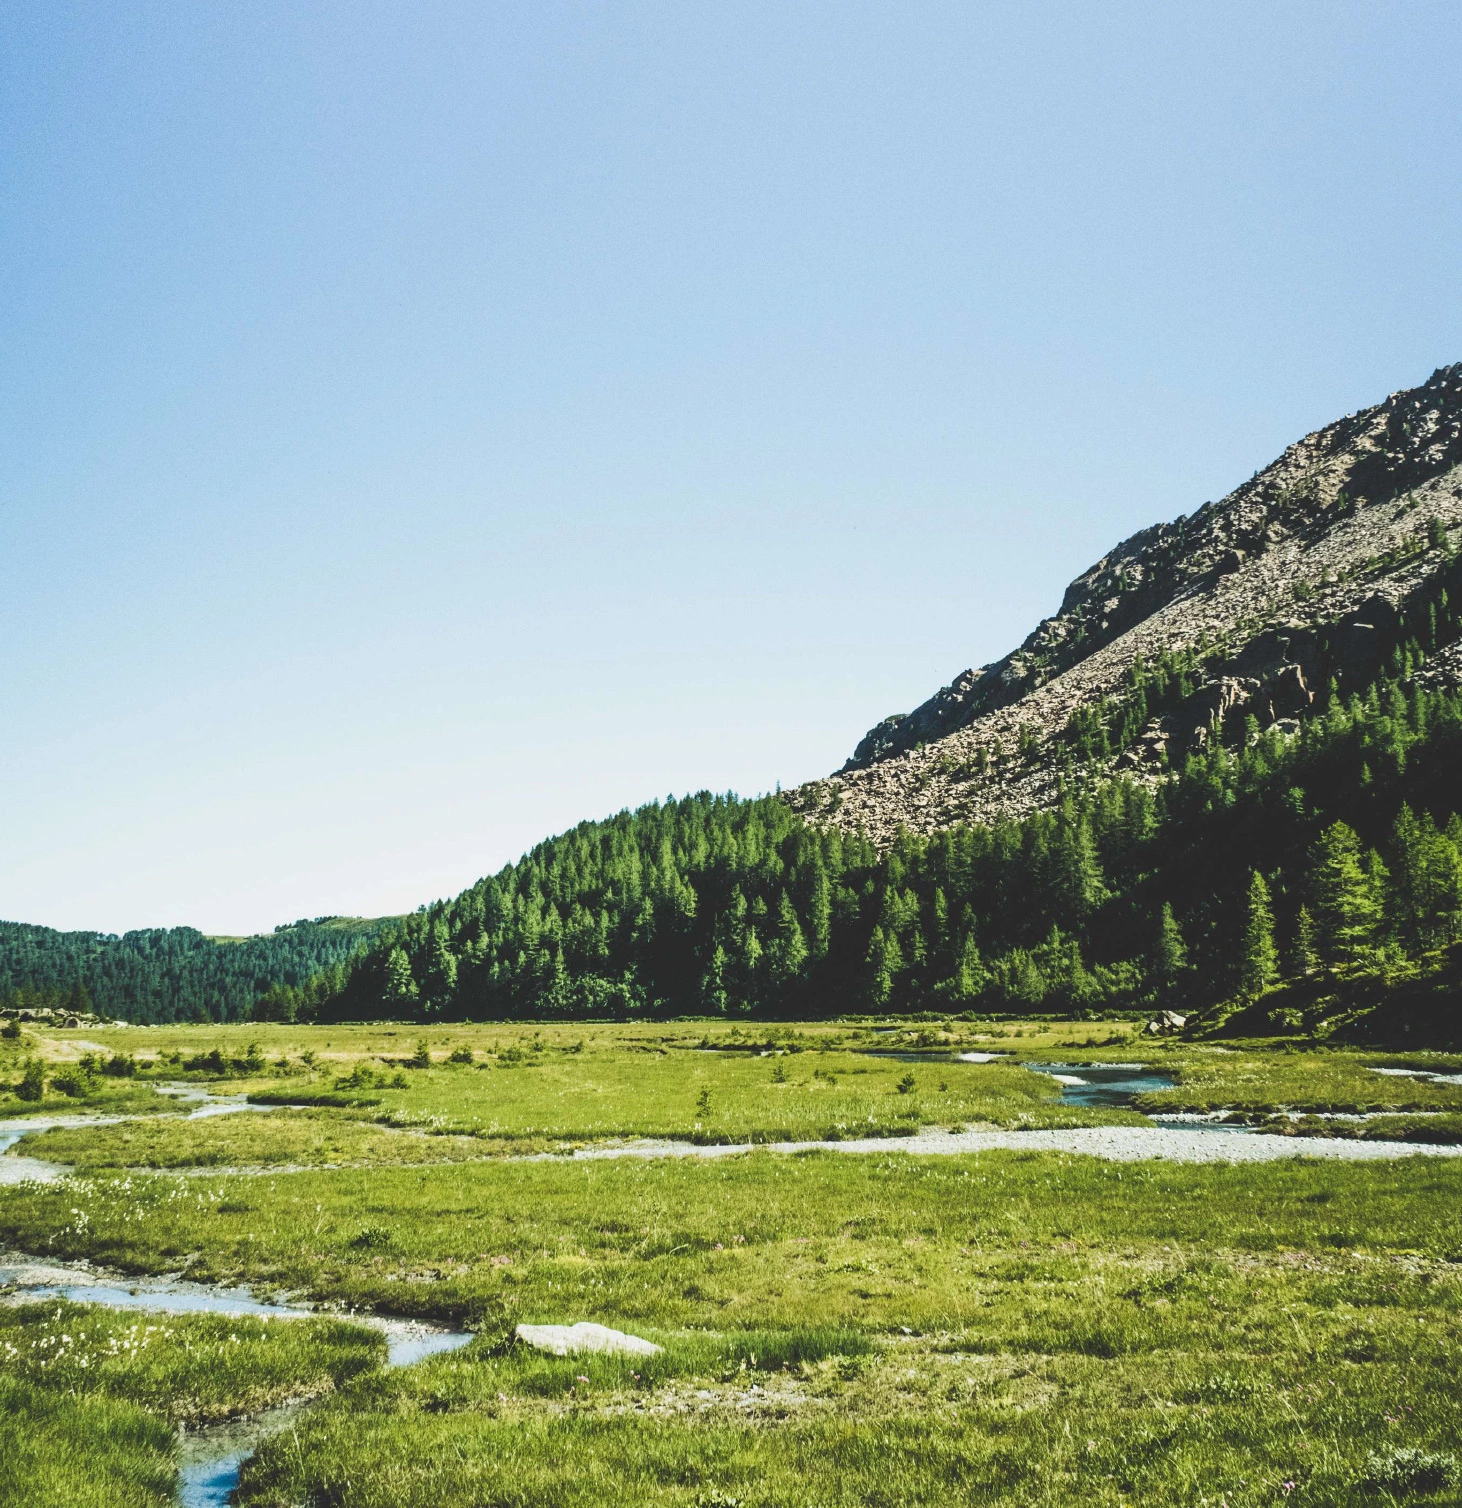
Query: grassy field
x=1260, y=1079
x=527, y=1089
x=303, y=1138
x=1009, y=1327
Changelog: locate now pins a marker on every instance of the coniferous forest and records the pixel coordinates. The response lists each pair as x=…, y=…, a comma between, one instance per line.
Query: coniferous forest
x=1334, y=853
x=164, y=974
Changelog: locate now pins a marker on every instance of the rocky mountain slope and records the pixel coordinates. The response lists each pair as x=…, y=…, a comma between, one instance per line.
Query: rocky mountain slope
x=1317, y=568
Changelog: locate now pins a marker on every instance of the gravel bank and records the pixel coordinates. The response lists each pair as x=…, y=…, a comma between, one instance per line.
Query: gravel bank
x=1115, y=1143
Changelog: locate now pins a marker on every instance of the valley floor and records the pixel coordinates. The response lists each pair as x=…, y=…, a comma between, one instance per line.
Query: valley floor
x=1008, y=1325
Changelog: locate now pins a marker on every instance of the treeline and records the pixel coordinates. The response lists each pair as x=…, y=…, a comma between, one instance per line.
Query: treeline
x=168, y=974
x=1336, y=849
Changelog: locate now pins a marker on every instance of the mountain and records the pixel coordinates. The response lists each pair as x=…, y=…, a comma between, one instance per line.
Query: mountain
x=1227, y=772
x=1313, y=570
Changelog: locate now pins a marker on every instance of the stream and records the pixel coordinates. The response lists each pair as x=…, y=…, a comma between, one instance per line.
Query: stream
x=211, y=1458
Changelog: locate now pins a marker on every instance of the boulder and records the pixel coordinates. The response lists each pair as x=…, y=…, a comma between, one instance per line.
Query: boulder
x=568, y=1340
x=1164, y=1022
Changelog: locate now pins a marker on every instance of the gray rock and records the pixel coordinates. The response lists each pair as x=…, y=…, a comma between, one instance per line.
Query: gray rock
x=569, y=1340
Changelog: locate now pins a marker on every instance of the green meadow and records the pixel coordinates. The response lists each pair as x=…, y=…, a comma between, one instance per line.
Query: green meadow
x=836, y=1328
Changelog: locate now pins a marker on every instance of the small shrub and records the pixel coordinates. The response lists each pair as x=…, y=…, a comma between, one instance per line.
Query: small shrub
x=72, y=1082
x=120, y=1065
x=460, y=1055
x=1407, y=1469
x=372, y=1238
x=906, y=1084
x=10, y=1031
x=368, y=1076
x=32, y=1084
x=213, y=1063
x=421, y=1058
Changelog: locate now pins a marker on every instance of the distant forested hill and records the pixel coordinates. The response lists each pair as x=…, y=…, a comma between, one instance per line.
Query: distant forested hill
x=170, y=974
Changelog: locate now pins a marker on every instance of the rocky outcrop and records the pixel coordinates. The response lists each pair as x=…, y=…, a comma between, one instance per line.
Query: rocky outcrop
x=1297, y=576
x=949, y=708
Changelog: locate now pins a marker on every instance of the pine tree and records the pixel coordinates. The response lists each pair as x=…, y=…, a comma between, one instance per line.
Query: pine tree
x=1077, y=884
x=752, y=953
x=819, y=909
x=713, y=995
x=439, y=967
x=969, y=971
x=1260, y=959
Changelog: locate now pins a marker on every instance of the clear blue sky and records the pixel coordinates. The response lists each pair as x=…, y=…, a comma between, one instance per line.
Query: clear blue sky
x=424, y=425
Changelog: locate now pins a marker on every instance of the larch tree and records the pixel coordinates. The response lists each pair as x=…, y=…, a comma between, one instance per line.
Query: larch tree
x=1260, y=961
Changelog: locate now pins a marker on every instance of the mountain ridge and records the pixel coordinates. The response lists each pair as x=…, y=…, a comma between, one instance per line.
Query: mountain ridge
x=1302, y=573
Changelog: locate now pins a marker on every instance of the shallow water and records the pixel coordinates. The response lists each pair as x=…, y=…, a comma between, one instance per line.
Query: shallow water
x=211, y=1459
x=1106, y=1085
x=1113, y=1086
